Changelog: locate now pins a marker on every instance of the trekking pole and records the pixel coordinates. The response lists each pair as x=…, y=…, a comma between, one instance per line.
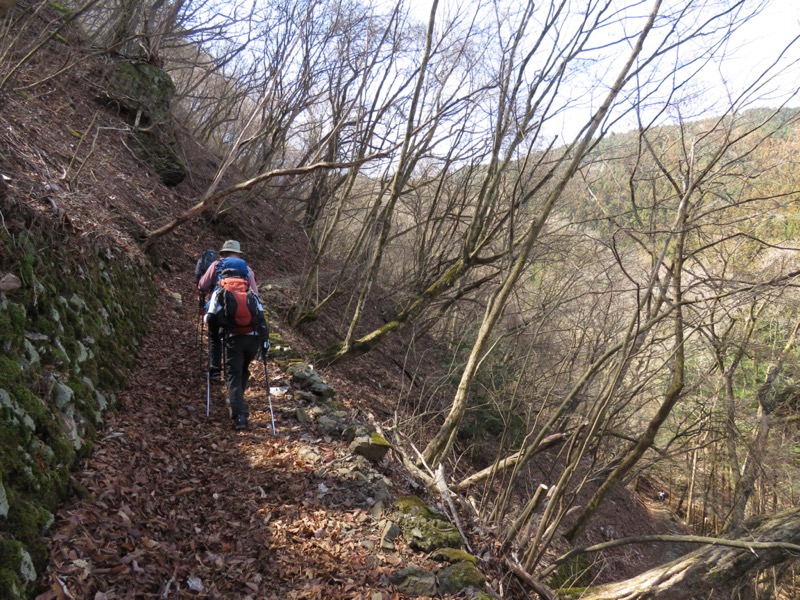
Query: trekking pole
x=208, y=392
x=269, y=396
x=201, y=299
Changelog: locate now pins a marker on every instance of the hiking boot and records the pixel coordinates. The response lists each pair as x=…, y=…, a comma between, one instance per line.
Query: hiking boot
x=240, y=423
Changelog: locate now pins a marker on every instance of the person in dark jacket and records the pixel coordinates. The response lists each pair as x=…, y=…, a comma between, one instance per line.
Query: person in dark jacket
x=208, y=284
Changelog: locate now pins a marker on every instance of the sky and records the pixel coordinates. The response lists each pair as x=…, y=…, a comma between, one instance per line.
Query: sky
x=750, y=52
x=764, y=37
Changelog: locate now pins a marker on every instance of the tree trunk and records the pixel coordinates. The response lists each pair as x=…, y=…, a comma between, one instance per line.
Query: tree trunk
x=712, y=566
x=753, y=463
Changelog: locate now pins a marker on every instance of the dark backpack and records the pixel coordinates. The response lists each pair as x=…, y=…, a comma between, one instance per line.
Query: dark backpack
x=205, y=261
x=239, y=312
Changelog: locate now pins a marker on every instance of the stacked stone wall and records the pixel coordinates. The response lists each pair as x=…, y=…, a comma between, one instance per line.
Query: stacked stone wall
x=72, y=313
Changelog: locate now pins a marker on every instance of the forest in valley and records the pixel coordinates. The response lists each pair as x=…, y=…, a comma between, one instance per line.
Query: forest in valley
x=594, y=220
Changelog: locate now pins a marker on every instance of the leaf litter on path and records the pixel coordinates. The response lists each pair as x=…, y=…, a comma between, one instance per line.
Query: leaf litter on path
x=181, y=506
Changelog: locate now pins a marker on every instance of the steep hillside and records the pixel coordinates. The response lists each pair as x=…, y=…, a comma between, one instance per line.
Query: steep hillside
x=174, y=504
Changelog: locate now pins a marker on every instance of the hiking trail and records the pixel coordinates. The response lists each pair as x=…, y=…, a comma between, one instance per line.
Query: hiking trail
x=178, y=505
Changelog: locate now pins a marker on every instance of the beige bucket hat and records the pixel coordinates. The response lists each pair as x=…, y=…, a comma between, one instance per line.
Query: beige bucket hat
x=231, y=246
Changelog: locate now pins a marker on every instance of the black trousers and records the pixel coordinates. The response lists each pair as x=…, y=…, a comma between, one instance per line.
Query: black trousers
x=214, y=347
x=240, y=351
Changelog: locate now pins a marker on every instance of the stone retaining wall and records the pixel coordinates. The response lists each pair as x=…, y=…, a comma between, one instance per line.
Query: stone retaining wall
x=71, y=317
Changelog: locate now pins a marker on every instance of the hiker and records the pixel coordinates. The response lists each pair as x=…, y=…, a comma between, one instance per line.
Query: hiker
x=207, y=284
x=236, y=313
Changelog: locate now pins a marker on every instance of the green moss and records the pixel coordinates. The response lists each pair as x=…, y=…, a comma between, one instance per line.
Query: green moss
x=57, y=357
x=149, y=85
x=9, y=372
x=39, y=556
x=70, y=341
x=23, y=521
x=106, y=378
x=458, y=577
x=45, y=326
x=32, y=405
x=575, y=573
x=11, y=438
x=16, y=315
x=9, y=554
x=335, y=405
x=424, y=527
x=61, y=8
x=411, y=505
x=80, y=388
x=575, y=592
x=89, y=369
x=35, y=465
x=453, y=555
x=74, y=320
x=88, y=444
x=27, y=259
x=10, y=584
x=93, y=324
x=60, y=38
x=377, y=439
x=13, y=567
x=63, y=451
x=61, y=480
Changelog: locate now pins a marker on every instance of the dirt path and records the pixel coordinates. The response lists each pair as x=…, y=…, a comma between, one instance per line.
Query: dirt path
x=181, y=506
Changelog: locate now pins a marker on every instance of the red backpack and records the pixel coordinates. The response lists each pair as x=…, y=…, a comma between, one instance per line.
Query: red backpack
x=239, y=313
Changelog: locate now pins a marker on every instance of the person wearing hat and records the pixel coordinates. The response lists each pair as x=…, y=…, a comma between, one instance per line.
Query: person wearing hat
x=243, y=342
x=207, y=284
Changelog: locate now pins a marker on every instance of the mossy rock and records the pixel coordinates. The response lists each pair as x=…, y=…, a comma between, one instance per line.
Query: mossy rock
x=32, y=405
x=425, y=528
x=378, y=440
x=415, y=506
x=24, y=520
x=10, y=584
x=298, y=367
x=459, y=577
x=453, y=555
x=142, y=86
x=16, y=566
x=372, y=447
